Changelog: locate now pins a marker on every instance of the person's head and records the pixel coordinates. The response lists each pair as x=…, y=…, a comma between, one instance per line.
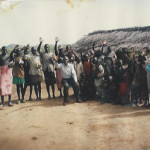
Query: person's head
x=18, y=52
x=102, y=57
x=47, y=48
x=66, y=60
x=124, y=50
x=99, y=61
x=33, y=50
x=132, y=53
x=136, y=58
x=26, y=49
x=92, y=53
x=68, y=48
x=144, y=51
x=94, y=60
x=120, y=63
x=60, y=49
x=4, y=50
x=86, y=57
x=72, y=58
x=114, y=59
x=109, y=50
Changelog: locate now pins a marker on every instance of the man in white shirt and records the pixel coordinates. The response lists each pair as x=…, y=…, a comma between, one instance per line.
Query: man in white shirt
x=69, y=78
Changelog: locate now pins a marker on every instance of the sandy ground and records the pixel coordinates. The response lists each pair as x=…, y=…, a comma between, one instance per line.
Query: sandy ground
x=46, y=124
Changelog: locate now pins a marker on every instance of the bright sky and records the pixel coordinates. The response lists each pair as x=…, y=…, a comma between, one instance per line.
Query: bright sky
x=25, y=21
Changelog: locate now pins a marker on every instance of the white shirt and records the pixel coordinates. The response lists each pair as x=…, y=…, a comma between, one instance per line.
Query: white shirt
x=112, y=54
x=67, y=71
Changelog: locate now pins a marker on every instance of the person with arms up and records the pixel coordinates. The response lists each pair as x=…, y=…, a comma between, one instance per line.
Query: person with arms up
x=47, y=67
x=59, y=52
x=26, y=72
x=35, y=71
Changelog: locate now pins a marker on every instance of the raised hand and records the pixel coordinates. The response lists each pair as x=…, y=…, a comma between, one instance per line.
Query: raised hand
x=28, y=45
x=16, y=47
x=23, y=48
x=56, y=39
x=105, y=42
x=41, y=40
x=55, y=58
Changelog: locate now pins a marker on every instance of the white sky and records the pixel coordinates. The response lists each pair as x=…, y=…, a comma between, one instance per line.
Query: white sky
x=31, y=19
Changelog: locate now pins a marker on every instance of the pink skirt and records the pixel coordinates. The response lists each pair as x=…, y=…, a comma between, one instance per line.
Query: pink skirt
x=5, y=81
x=59, y=79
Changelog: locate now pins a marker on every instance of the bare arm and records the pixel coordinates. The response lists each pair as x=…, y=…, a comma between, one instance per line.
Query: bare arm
x=12, y=53
x=58, y=66
x=93, y=45
x=39, y=47
x=56, y=49
x=74, y=75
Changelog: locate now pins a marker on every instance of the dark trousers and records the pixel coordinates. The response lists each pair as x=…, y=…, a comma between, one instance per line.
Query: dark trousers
x=135, y=93
x=67, y=83
x=144, y=94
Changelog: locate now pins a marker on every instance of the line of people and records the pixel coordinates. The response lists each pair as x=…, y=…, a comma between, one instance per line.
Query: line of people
x=120, y=77
x=24, y=68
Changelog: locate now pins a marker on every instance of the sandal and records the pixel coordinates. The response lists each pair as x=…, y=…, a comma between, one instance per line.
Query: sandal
x=18, y=101
x=10, y=104
x=23, y=101
x=1, y=107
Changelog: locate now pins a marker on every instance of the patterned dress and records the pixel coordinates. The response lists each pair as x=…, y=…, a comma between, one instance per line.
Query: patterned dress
x=5, y=76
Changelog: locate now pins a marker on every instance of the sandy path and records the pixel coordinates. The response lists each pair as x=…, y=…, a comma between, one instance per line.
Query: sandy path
x=47, y=124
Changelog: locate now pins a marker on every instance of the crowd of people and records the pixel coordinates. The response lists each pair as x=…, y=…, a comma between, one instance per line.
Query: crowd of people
x=121, y=77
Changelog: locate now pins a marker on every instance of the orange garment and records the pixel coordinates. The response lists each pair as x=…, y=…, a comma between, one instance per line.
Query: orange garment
x=87, y=68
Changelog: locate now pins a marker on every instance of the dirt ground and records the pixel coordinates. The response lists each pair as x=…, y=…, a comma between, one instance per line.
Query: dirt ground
x=47, y=124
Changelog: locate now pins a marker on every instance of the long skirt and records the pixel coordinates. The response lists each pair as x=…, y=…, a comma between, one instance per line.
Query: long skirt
x=59, y=79
x=5, y=81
